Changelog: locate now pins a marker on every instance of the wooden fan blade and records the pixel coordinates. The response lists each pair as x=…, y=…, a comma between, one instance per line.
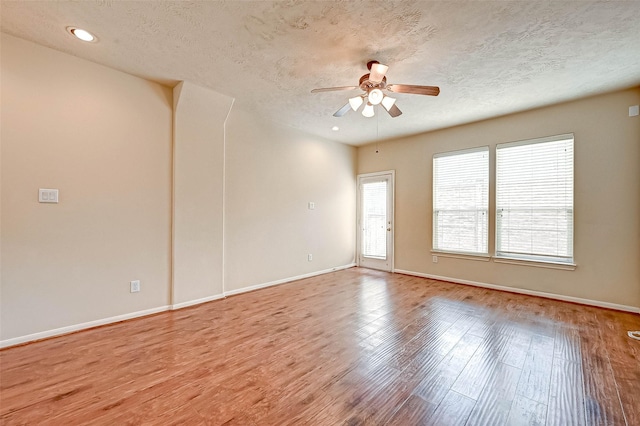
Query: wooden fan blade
x=416, y=90
x=333, y=89
x=394, y=111
x=377, y=72
x=342, y=111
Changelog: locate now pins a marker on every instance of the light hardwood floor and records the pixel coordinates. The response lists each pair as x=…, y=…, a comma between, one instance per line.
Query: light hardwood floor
x=351, y=347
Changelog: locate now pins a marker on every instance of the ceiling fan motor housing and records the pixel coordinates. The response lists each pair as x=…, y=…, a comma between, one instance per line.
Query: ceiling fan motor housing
x=367, y=85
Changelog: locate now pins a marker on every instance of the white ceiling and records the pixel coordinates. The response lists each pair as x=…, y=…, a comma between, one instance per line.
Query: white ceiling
x=488, y=58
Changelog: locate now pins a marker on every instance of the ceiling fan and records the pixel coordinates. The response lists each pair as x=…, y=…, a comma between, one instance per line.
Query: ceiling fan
x=373, y=85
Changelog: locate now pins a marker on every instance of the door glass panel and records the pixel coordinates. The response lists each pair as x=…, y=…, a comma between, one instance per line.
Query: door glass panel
x=374, y=219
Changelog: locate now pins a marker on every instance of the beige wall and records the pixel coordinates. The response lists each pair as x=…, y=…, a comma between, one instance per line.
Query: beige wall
x=128, y=158
x=607, y=197
x=272, y=174
x=198, y=177
x=103, y=138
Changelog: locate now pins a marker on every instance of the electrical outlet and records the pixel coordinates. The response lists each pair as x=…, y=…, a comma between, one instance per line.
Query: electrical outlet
x=309, y=257
x=434, y=259
x=312, y=205
x=135, y=286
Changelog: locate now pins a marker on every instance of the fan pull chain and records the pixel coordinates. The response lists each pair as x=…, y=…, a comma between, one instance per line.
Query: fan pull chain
x=377, y=131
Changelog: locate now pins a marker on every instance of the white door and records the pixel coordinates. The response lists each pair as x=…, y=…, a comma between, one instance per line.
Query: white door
x=375, y=220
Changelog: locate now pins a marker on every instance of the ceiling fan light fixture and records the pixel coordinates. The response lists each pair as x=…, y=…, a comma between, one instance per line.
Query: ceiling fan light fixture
x=372, y=85
x=375, y=96
x=387, y=102
x=355, y=102
x=368, y=110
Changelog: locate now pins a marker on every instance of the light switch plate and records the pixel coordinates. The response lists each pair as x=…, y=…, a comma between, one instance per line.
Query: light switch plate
x=312, y=205
x=634, y=110
x=47, y=195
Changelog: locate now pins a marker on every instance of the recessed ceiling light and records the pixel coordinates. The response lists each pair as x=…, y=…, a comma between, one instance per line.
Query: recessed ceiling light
x=335, y=128
x=83, y=35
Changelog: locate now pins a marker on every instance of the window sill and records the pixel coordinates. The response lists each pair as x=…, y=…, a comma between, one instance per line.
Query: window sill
x=466, y=256
x=508, y=260
x=536, y=263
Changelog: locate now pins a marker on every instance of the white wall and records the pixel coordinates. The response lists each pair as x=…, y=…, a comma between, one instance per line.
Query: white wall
x=273, y=173
x=607, y=198
x=103, y=138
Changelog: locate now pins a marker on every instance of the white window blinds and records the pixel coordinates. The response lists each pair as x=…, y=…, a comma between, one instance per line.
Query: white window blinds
x=461, y=201
x=374, y=219
x=534, y=199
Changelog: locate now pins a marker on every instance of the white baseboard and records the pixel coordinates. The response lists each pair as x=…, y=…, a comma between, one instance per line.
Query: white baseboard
x=287, y=280
x=196, y=301
x=561, y=297
x=83, y=326
x=77, y=327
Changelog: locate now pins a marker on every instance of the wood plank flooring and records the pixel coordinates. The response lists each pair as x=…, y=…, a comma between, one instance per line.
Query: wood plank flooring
x=352, y=347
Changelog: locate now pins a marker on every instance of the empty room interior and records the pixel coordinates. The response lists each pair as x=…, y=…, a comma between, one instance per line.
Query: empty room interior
x=320, y=213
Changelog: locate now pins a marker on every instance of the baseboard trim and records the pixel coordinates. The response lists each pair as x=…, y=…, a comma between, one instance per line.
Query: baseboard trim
x=196, y=301
x=287, y=280
x=560, y=297
x=91, y=324
x=78, y=327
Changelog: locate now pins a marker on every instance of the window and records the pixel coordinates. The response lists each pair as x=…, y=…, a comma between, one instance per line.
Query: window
x=461, y=201
x=374, y=219
x=534, y=199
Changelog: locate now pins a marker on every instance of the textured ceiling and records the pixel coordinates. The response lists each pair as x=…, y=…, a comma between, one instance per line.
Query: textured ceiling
x=489, y=58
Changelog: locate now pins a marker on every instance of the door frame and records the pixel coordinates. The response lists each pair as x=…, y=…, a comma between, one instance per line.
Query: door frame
x=391, y=238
